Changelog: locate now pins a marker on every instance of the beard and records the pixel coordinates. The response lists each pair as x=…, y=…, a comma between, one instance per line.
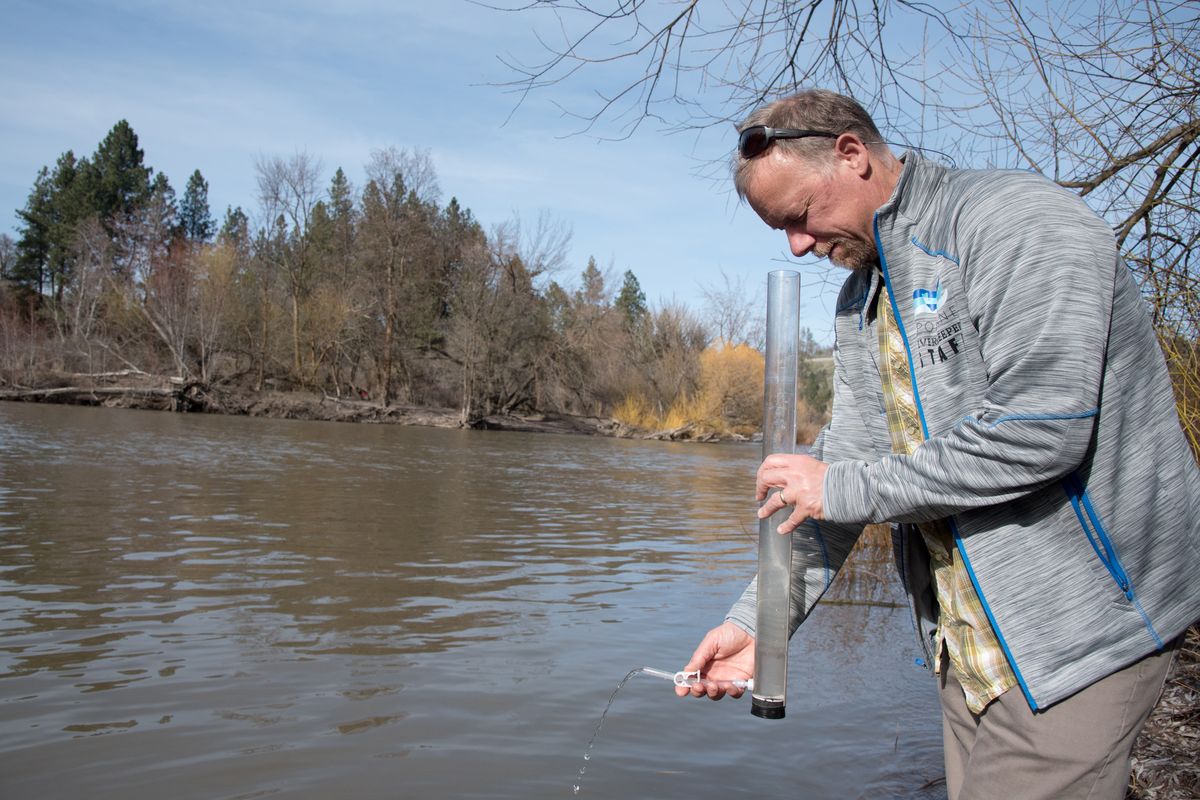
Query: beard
x=851, y=254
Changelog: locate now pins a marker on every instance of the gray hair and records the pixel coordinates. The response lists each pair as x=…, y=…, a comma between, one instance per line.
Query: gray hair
x=816, y=109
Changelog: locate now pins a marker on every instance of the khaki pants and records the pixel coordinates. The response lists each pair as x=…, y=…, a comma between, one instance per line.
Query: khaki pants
x=1077, y=748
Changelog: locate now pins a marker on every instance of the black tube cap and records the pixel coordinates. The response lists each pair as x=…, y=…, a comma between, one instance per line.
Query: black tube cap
x=767, y=709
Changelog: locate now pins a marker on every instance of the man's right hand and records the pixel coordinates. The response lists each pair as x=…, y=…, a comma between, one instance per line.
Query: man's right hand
x=725, y=654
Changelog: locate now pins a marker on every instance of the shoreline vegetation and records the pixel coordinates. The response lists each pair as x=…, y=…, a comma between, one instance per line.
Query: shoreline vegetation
x=132, y=389
x=377, y=302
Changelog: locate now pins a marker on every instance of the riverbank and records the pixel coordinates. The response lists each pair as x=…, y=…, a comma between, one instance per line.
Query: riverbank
x=138, y=390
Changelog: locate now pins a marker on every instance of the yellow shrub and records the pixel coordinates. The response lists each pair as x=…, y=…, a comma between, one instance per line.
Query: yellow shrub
x=636, y=412
x=731, y=388
x=1183, y=361
x=729, y=397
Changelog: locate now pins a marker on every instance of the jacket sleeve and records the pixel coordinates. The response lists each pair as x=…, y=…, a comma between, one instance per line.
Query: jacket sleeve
x=1038, y=268
x=818, y=548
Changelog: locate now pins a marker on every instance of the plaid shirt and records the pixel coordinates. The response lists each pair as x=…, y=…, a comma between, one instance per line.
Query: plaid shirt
x=963, y=628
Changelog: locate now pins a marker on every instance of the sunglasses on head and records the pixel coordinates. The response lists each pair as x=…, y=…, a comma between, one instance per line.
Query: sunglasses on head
x=757, y=138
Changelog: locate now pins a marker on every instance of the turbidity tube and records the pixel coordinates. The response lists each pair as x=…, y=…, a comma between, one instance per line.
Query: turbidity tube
x=769, y=696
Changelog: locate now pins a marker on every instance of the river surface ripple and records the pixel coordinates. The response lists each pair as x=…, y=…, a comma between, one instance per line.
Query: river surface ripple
x=220, y=607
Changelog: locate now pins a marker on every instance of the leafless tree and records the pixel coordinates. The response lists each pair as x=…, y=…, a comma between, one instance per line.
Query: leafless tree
x=592, y=365
x=500, y=327
x=1104, y=98
x=257, y=295
x=8, y=255
x=667, y=354
x=541, y=248
x=470, y=331
x=1101, y=96
x=216, y=268
x=81, y=304
x=399, y=256
x=732, y=311
x=287, y=193
x=416, y=167
x=151, y=279
x=692, y=64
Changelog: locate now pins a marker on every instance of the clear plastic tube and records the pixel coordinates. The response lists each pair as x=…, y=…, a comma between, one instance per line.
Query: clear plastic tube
x=690, y=679
x=769, y=698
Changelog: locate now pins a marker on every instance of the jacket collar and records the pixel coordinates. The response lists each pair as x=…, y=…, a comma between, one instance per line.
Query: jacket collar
x=915, y=188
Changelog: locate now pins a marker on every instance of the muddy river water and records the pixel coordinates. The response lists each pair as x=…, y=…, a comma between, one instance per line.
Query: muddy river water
x=220, y=607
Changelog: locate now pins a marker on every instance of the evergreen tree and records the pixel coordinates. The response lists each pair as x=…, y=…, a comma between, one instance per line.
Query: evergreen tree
x=236, y=227
x=33, y=246
x=162, y=204
x=112, y=186
x=56, y=204
x=458, y=232
x=592, y=291
x=558, y=304
x=631, y=300
x=320, y=233
x=341, y=198
x=195, y=219
x=116, y=179
x=69, y=204
x=343, y=221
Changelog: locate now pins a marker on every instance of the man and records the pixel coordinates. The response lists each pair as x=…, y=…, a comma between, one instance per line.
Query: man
x=1000, y=397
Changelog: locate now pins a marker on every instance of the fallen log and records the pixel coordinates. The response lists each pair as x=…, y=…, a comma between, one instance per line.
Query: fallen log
x=147, y=397
x=42, y=394
x=121, y=373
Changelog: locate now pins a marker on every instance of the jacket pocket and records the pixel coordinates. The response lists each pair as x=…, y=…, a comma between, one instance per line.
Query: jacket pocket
x=1093, y=529
x=1106, y=552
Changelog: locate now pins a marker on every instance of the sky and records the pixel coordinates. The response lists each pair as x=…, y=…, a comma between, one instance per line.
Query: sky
x=216, y=85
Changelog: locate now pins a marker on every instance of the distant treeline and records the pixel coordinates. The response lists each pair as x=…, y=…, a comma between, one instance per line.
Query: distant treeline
x=378, y=293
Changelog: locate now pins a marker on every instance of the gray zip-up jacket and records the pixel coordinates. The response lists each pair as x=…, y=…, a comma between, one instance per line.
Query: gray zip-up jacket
x=1053, y=445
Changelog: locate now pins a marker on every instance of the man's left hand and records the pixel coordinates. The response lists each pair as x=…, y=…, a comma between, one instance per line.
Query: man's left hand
x=800, y=480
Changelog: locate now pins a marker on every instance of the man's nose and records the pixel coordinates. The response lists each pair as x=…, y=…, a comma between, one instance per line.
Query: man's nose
x=800, y=243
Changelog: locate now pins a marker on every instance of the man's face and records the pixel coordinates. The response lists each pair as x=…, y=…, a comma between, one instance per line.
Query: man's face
x=824, y=212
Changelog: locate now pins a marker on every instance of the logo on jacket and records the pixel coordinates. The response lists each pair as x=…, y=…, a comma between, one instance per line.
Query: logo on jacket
x=927, y=301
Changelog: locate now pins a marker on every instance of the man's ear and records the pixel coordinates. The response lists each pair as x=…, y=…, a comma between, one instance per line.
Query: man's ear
x=850, y=151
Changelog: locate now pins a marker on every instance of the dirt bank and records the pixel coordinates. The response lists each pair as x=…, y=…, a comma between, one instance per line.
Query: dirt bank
x=131, y=389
